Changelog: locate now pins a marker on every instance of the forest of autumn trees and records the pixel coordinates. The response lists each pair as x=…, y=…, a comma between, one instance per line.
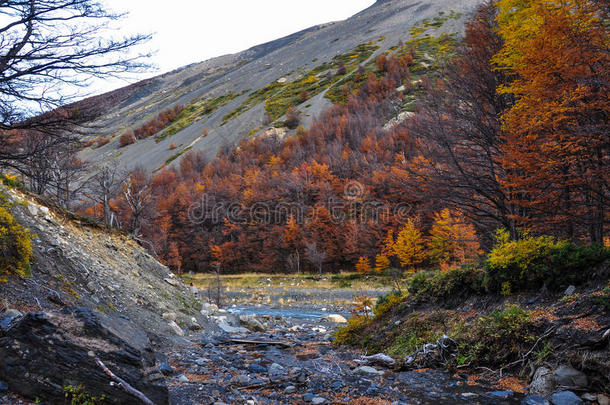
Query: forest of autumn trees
x=512, y=134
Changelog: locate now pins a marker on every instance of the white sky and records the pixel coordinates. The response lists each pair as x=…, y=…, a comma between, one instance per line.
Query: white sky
x=188, y=31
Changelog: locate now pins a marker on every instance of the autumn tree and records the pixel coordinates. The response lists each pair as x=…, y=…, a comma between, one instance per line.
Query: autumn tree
x=452, y=240
x=556, y=149
x=458, y=145
x=138, y=196
x=382, y=263
x=364, y=265
x=410, y=246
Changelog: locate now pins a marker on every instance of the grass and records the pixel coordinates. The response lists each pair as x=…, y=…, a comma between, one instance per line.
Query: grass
x=194, y=112
x=278, y=97
x=177, y=155
x=295, y=281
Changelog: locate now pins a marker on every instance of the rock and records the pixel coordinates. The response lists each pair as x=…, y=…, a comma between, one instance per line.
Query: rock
x=208, y=309
x=43, y=210
x=367, y=370
x=570, y=290
x=567, y=376
x=3, y=386
x=177, y=329
x=166, y=369
x=336, y=318
x=252, y=323
x=565, y=398
x=543, y=383
x=170, y=316
x=182, y=378
x=502, y=394
x=275, y=370
x=231, y=329
x=241, y=379
x=43, y=352
x=7, y=317
x=33, y=210
x=308, y=397
x=291, y=389
x=603, y=399
x=257, y=368
x=469, y=395
x=318, y=401
x=172, y=282
x=589, y=397
x=535, y=400
x=380, y=359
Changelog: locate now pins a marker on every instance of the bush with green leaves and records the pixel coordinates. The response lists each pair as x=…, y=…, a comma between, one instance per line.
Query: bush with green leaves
x=444, y=286
x=15, y=245
x=533, y=261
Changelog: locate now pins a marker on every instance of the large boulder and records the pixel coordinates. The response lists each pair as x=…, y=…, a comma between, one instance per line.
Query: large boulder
x=568, y=376
x=543, y=383
x=42, y=353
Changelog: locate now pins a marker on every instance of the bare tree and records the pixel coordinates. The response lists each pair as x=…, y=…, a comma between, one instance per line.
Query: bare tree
x=49, y=51
x=294, y=262
x=315, y=256
x=103, y=187
x=138, y=195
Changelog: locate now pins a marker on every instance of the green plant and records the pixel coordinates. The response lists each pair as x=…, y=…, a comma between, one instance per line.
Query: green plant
x=15, y=245
x=77, y=396
x=533, y=261
x=446, y=286
x=350, y=334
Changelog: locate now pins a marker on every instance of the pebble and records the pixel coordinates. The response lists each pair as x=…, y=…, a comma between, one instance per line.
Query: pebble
x=367, y=370
x=565, y=398
x=502, y=394
x=182, y=378
x=318, y=401
x=291, y=389
x=257, y=368
x=308, y=397
x=535, y=400
x=166, y=369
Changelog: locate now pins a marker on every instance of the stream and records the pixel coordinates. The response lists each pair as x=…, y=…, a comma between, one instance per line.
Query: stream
x=292, y=361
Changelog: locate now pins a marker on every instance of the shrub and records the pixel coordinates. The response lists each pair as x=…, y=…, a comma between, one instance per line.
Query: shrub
x=350, y=333
x=532, y=262
x=293, y=118
x=447, y=286
x=127, y=139
x=15, y=245
x=102, y=141
x=363, y=266
x=498, y=338
x=172, y=146
x=387, y=302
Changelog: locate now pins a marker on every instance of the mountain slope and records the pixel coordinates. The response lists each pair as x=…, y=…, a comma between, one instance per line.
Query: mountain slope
x=230, y=86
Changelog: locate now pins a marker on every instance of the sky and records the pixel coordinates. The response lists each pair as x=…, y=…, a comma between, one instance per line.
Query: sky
x=188, y=31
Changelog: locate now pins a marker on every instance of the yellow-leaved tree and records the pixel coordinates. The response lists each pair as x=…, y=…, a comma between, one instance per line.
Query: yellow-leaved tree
x=382, y=263
x=452, y=240
x=410, y=246
x=363, y=266
x=15, y=245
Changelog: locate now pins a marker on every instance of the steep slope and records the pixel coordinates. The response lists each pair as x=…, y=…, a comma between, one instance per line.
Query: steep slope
x=78, y=265
x=224, y=96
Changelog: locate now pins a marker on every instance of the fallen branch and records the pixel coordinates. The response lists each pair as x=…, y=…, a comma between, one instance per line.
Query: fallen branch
x=123, y=384
x=283, y=343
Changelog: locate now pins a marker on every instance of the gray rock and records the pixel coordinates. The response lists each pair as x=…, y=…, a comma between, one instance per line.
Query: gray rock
x=182, y=378
x=43, y=350
x=535, y=400
x=166, y=369
x=241, y=379
x=543, y=383
x=231, y=329
x=177, y=329
x=172, y=282
x=568, y=376
x=291, y=389
x=502, y=394
x=570, y=290
x=367, y=370
x=308, y=397
x=257, y=368
x=170, y=316
x=603, y=399
x=589, y=397
x=319, y=401
x=565, y=398
x=336, y=318
x=252, y=323
x=276, y=370
x=13, y=312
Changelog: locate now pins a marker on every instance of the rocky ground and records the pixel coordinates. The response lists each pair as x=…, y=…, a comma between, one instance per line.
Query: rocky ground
x=293, y=361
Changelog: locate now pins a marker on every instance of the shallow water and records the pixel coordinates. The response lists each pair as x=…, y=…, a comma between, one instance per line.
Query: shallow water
x=286, y=312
